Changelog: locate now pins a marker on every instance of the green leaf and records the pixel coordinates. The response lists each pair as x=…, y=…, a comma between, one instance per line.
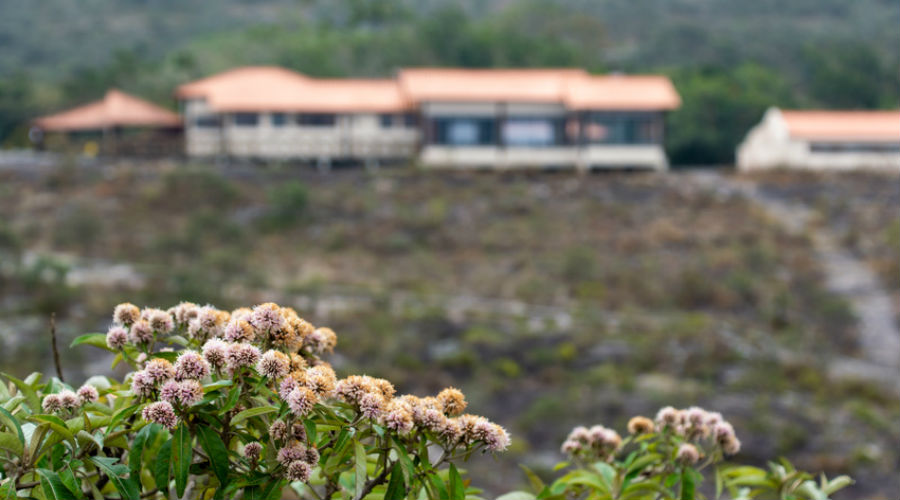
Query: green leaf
x=11, y=442
x=216, y=385
x=252, y=412
x=396, y=490
x=533, y=478
x=135, y=456
x=360, y=468
x=13, y=424
x=162, y=466
x=57, y=424
x=121, y=415
x=31, y=397
x=124, y=485
x=457, y=489
x=310, y=430
x=687, y=485
x=232, y=400
x=440, y=491
x=517, y=495
x=71, y=484
x=52, y=485
x=92, y=339
x=218, y=453
x=181, y=457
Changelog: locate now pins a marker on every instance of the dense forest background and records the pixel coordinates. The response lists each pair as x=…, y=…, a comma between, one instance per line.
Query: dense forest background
x=730, y=59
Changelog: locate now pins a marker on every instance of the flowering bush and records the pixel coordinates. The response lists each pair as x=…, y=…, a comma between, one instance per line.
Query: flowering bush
x=666, y=458
x=224, y=404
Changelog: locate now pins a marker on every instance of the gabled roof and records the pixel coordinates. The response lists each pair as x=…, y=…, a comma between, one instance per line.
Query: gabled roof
x=843, y=125
x=475, y=85
x=622, y=92
x=116, y=109
x=265, y=88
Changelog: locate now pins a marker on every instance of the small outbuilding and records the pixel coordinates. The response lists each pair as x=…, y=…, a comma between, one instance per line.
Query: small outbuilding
x=118, y=123
x=823, y=140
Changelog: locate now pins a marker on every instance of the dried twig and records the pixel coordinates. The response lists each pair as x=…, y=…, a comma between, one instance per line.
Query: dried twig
x=59, y=372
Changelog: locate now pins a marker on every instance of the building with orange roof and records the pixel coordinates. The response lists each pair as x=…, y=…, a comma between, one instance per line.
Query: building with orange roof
x=823, y=140
x=106, y=120
x=444, y=117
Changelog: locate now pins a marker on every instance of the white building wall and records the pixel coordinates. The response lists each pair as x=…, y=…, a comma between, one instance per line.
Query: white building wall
x=768, y=145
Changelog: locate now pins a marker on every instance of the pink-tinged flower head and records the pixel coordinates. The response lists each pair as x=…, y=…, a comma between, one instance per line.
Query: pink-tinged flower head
x=321, y=379
x=69, y=400
x=87, y=394
x=142, y=384
x=239, y=356
x=496, y=439
x=160, y=369
x=116, y=337
x=278, y=430
x=312, y=456
x=731, y=446
x=321, y=340
x=301, y=401
x=371, y=405
x=190, y=365
x=449, y=431
x=274, y=364
x=286, y=386
x=160, y=412
x=51, y=403
x=126, y=314
x=214, y=352
x=185, y=392
x=667, y=417
x=687, y=454
x=159, y=320
x=570, y=447
x=252, y=451
x=185, y=312
x=239, y=330
x=298, y=470
x=398, y=417
x=141, y=333
x=290, y=454
x=267, y=318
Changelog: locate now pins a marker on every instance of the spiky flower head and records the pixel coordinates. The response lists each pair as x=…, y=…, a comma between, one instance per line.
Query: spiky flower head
x=214, y=353
x=298, y=470
x=87, y=394
x=160, y=412
x=240, y=355
x=398, y=417
x=298, y=431
x=371, y=405
x=184, y=312
x=301, y=401
x=274, y=364
x=242, y=313
x=69, y=400
x=142, y=384
x=141, y=333
x=160, y=369
x=312, y=456
x=160, y=321
x=667, y=417
x=239, y=330
x=186, y=392
x=253, y=451
x=321, y=340
x=278, y=430
x=321, y=379
x=452, y=401
x=126, y=314
x=116, y=337
x=496, y=438
x=51, y=403
x=640, y=425
x=190, y=365
x=687, y=454
x=731, y=446
x=267, y=318
x=286, y=386
x=291, y=453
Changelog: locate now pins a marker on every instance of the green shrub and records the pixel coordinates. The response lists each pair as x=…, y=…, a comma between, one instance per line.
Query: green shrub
x=287, y=205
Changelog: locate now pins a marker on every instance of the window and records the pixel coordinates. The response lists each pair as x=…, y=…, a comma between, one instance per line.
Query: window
x=246, y=119
x=410, y=120
x=386, y=120
x=854, y=147
x=530, y=132
x=316, y=119
x=279, y=119
x=622, y=128
x=208, y=121
x=389, y=120
x=464, y=131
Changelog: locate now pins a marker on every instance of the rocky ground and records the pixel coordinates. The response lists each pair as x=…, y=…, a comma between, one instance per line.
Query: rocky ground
x=552, y=300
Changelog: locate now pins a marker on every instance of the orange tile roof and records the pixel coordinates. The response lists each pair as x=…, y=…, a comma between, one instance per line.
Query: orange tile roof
x=622, y=92
x=843, y=125
x=473, y=85
x=277, y=89
x=116, y=109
